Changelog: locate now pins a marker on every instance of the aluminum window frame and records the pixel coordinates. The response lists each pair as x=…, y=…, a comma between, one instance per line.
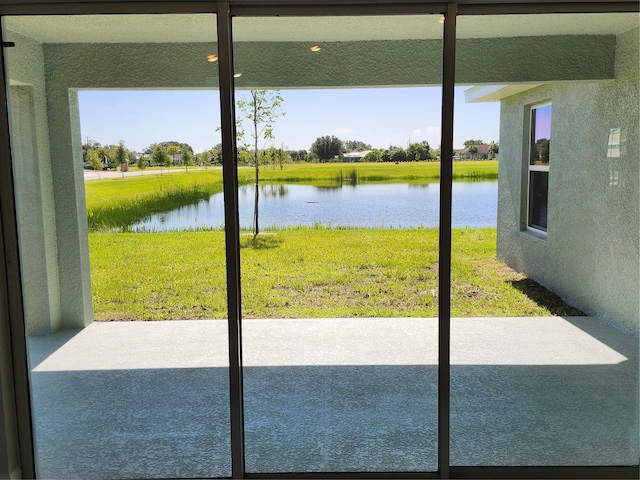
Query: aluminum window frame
x=225, y=10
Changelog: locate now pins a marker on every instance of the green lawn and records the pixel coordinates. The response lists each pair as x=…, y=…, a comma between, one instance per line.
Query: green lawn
x=119, y=202
x=371, y=172
x=307, y=272
x=299, y=272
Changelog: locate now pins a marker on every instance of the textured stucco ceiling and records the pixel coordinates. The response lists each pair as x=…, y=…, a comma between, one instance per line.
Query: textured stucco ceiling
x=274, y=52
x=202, y=27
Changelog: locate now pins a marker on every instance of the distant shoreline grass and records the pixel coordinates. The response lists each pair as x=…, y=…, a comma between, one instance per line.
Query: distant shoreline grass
x=117, y=203
x=307, y=273
x=372, y=172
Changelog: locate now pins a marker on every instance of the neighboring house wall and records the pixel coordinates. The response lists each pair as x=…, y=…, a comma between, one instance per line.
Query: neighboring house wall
x=355, y=156
x=482, y=153
x=590, y=256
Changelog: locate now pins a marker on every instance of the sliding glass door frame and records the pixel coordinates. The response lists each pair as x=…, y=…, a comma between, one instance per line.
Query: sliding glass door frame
x=226, y=10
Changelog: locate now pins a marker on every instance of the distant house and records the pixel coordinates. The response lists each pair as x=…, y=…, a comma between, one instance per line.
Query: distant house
x=175, y=158
x=354, y=156
x=482, y=153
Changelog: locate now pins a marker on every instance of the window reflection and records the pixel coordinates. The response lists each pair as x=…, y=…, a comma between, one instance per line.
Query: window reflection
x=540, y=135
x=539, y=166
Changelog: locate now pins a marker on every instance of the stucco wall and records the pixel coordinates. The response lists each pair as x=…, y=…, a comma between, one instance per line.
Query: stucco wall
x=34, y=186
x=590, y=256
x=338, y=64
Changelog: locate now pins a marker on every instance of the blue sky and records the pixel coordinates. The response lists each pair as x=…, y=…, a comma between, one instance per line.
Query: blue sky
x=380, y=117
x=543, y=122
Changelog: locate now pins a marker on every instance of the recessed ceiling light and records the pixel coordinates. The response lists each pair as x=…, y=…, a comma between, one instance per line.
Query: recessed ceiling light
x=237, y=75
x=212, y=58
x=315, y=48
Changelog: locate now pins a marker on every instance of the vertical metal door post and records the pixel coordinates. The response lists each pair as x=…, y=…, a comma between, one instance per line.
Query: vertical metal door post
x=232, y=236
x=444, y=248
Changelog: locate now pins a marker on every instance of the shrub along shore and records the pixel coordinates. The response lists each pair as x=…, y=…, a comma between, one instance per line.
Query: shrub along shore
x=295, y=272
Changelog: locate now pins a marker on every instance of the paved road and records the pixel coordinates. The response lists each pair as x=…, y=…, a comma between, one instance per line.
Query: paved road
x=93, y=175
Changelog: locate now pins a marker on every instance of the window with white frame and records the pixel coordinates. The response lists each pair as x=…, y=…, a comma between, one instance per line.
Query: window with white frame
x=538, y=167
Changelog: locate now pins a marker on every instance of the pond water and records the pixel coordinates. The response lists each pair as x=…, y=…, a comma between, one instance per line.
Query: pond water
x=394, y=205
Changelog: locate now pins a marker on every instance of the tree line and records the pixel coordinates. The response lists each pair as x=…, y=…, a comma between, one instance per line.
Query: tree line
x=164, y=154
x=327, y=148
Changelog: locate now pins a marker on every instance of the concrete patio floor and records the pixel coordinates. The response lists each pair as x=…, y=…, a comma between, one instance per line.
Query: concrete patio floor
x=150, y=399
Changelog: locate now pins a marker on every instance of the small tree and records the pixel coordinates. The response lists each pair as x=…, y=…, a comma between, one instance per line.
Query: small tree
x=541, y=150
x=89, y=145
x=298, y=155
x=470, y=142
x=204, y=159
x=397, y=155
x=418, y=151
x=160, y=156
x=142, y=163
x=356, y=145
x=94, y=160
x=104, y=154
x=494, y=148
x=216, y=154
x=258, y=114
x=173, y=150
x=168, y=161
x=150, y=148
x=373, y=156
x=327, y=147
x=187, y=159
x=120, y=155
x=282, y=157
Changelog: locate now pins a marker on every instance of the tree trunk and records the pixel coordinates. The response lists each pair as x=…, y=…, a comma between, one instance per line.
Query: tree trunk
x=256, y=196
x=256, y=229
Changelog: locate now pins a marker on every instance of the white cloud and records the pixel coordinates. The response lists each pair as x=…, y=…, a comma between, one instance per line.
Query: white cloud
x=433, y=136
x=339, y=131
x=430, y=134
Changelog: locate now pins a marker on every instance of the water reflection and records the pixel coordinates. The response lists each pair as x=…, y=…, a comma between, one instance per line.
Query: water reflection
x=380, y=206
x=266, y=190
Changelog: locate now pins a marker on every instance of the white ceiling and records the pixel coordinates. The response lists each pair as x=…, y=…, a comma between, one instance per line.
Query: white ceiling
x=202, y=27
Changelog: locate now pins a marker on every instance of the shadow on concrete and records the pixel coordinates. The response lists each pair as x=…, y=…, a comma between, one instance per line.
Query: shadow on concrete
x=175, y=422
x=132, y=423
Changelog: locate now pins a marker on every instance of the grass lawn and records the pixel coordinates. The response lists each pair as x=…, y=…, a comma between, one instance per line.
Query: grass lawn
x=118, y=202
x=320, y=173
x=307, y=272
